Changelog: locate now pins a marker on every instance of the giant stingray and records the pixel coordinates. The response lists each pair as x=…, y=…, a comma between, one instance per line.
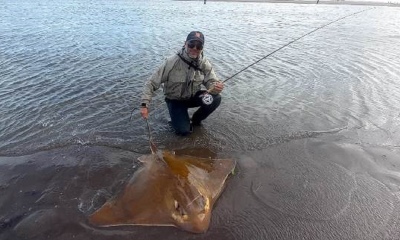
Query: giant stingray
x=169, y=190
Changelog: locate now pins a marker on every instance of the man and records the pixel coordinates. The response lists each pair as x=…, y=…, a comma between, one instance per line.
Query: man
x=182, y=75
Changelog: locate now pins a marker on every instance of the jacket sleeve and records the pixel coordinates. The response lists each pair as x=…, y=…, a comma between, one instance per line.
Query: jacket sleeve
x=153, y=83
x=210, y=78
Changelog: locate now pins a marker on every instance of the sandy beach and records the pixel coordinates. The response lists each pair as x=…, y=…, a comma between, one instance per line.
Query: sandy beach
x=305, y=187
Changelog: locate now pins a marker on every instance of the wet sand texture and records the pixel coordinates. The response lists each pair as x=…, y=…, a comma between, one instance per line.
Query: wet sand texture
x=305, y=188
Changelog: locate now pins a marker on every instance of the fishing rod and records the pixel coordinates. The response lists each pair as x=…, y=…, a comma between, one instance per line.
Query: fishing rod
x=207, y=98
x=295, y=40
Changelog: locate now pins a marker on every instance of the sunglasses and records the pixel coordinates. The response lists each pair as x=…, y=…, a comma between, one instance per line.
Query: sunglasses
x=198, y=45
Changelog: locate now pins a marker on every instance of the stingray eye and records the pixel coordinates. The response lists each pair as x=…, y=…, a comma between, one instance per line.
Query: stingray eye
x=205, y=203
x=202, y=201
x=179, y=209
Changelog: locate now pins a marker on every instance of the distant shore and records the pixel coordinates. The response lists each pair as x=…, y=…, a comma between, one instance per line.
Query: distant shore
x=368, y=3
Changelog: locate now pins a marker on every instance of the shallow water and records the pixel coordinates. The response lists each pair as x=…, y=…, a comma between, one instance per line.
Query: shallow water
x=315, y=127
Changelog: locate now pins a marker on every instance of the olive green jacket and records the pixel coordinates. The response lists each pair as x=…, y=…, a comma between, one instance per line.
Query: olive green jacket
x=180, y=80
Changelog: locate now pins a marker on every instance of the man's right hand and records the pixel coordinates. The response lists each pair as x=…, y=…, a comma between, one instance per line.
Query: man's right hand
x=145, y=112
x=217, y=88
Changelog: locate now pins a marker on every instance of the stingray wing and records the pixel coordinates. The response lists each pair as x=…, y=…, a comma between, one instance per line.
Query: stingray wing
x=208, y=175
x=142, y=200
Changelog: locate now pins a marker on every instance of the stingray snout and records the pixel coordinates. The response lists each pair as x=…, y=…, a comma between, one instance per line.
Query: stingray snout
x=196, y=224
x=189, y=219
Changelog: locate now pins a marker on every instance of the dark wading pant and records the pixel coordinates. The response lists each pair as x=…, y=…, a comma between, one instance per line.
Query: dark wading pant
x=178, y=110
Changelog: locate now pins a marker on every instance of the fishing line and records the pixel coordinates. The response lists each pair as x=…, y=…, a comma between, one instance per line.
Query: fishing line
x=153, y=147
x=259, y=60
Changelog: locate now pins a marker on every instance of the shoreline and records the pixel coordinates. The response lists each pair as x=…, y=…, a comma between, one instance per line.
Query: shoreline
x=366, y=3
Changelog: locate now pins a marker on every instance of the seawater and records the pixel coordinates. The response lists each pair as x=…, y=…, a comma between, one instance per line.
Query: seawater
x=72, y=72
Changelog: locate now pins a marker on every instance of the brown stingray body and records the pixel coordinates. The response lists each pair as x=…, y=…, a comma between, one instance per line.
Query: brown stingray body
x=169, y=190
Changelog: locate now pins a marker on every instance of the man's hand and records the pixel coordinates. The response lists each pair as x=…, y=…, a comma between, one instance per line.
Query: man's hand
x=217, y=88
x=145, y=112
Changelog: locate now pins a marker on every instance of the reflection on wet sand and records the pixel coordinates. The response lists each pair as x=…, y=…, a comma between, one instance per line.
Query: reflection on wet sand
x=301, y=189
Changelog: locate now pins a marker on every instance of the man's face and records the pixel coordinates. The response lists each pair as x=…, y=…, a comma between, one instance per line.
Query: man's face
x=194, y=48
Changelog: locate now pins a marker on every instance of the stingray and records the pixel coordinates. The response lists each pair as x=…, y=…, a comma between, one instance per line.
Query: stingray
x=168, y=190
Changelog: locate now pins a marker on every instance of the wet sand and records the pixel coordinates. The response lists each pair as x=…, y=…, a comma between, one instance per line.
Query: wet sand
x=302, y=189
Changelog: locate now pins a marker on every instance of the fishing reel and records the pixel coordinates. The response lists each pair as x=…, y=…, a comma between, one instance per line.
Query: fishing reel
x=207, y=98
